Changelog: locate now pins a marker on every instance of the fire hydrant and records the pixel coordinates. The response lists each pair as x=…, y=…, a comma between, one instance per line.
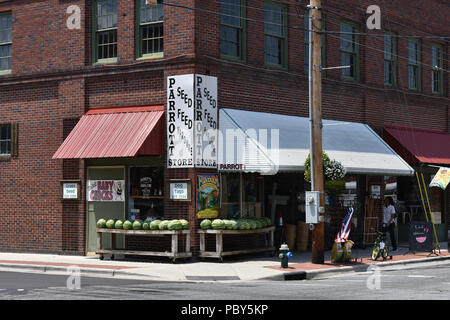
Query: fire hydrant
x=284, y=255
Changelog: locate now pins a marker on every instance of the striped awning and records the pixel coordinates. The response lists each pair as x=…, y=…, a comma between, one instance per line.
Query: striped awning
x=115, y=132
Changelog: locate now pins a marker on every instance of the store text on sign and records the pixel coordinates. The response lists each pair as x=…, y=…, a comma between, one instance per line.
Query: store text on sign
x=180, y=122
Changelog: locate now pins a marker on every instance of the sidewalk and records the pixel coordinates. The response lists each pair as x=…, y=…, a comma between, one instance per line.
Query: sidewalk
x=246, y=268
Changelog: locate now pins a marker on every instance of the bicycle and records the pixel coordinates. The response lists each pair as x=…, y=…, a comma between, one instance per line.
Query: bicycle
x=380, y=248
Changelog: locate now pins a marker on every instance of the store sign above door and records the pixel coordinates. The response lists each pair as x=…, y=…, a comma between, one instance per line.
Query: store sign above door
x=192, y=121
x=106, y=190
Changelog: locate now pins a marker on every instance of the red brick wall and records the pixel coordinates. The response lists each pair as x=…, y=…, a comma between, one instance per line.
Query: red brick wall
x=53, y=80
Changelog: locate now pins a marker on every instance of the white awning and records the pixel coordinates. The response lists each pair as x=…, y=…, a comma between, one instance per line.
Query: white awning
x=269, y=143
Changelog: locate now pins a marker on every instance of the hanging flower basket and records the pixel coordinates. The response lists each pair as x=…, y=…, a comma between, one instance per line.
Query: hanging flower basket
x=333, y=170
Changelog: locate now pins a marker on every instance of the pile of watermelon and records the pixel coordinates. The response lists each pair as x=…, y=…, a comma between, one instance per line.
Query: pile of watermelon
x=235, y=224
x=175, y=224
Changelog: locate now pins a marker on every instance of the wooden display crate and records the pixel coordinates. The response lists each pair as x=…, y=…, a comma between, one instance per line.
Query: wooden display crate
x=173, y=254
x=219, y=253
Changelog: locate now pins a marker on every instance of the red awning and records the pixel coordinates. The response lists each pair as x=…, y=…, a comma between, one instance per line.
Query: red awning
x=115, y=132
x=418, y=145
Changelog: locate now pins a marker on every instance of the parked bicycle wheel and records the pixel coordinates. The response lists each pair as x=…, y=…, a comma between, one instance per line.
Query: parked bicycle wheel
x=375, y=253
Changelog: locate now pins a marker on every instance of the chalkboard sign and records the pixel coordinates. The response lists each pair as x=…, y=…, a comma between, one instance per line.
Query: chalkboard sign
x=420, y=236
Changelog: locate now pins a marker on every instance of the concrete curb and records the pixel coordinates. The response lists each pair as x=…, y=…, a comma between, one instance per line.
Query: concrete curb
x=311, y=274
x=282, y=276
x=84, y=271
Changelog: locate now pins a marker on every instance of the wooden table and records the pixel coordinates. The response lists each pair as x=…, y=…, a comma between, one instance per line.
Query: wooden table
x=219, y=253
x=173, y=254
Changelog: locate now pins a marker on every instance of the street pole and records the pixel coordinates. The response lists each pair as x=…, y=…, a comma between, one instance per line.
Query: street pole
x=315, y=88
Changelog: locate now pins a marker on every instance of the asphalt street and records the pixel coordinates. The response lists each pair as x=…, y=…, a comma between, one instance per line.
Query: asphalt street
x=429, y=281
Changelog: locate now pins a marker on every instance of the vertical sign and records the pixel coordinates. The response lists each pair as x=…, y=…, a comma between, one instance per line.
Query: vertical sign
x=205, y=121
x=180, y=115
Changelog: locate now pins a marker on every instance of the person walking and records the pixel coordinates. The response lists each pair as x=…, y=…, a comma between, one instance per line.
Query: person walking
x=389, y=220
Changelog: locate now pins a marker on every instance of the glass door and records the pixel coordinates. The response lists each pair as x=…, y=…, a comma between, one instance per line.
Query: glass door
x=101, y=181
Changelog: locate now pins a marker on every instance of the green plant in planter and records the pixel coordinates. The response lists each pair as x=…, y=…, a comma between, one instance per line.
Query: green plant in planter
x=325, y=161
x=332, y=170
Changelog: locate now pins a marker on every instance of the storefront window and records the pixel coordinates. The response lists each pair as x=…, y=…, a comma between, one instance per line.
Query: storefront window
x=241, y=195
x=146, y=193
x=231, y=196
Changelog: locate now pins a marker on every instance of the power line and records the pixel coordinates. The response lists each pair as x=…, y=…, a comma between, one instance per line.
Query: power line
x=391, y=34
x=283, y=25
x=344, y=83
x=379, y=50
x=290, y=27
x=400, y=24
x=286, y=13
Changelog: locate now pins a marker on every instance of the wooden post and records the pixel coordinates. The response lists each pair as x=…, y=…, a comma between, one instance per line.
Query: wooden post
x=175, y=244
x=99, y=241
x=316, y=131
x=219, y=243
x=202, y=242
x=188, y=241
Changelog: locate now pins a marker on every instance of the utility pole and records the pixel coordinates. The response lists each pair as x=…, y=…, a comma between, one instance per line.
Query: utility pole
x=315, y=109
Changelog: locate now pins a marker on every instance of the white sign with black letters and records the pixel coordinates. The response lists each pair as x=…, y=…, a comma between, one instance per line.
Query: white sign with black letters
x=205, y=121
x=192, y=114
x=180, y=121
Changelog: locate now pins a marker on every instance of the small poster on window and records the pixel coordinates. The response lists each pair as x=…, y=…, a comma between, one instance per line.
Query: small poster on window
x=207, y=196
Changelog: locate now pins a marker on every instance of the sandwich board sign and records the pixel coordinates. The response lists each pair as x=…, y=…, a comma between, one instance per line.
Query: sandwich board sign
x=420, y=236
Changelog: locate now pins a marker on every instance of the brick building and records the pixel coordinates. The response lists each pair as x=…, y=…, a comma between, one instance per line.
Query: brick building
x=52, y=73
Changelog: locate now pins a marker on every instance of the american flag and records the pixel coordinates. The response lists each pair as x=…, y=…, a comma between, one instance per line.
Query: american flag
x=346, y=224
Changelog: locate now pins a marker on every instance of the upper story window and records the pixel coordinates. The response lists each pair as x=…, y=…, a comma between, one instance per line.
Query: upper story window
x=232, y=29
x=437, y=74
x=8, y=140
x=5, y=139
x=275, y=35
x=414, y=64
x=150, y=40
x=390, y=60
x=105, y=30
x=350, y=50
x=5, y=42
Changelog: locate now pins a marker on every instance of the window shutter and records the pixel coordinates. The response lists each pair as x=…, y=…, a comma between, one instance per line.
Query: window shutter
x=14, y=139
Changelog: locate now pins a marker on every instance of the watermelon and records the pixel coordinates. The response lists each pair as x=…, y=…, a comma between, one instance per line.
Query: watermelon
x=154, y=225
x=184, y=223
x=174, y=225
x=118, y=224
x=137, y=225
x=244, y=225
x=234, y=224
x=258, y=224
x=101, y=223
x=110, y=224
x=164, y=225
x=205, y=224
x=228, y=224
x=263, y=222
x=218, y=224
x=127, y=225
x=146, y=225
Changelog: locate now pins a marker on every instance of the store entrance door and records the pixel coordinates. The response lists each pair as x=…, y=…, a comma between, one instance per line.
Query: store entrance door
x=103, y=208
